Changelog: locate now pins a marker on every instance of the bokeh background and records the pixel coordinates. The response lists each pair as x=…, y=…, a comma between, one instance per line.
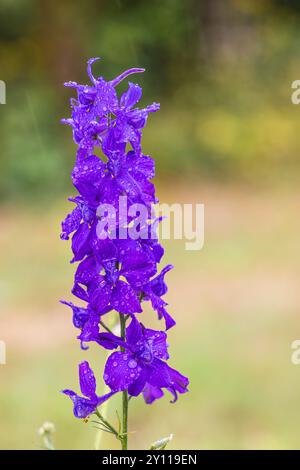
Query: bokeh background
x=227, y=136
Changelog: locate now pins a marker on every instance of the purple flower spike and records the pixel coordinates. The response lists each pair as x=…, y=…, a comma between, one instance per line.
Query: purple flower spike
x=83, y=407
x=115, y=271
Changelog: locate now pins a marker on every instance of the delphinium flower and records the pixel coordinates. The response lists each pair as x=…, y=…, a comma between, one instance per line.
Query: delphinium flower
x=116, y=273
x=141, y=366
x=84, y=406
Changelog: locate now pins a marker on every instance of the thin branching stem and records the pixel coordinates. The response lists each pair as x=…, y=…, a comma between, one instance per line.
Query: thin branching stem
x=107, y=424
x=106, y=327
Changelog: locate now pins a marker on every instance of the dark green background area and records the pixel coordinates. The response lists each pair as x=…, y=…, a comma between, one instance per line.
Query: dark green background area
x=222, y=72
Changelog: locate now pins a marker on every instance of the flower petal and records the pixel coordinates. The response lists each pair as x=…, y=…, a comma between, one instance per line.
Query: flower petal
x=79, y=292
x=80, y=242
x=163, y=376
x=137, y=387
x=87, y=380
x=100, y=294
x=137, y=266
x=131, y=96
x=121, y=370
x=140, y=163
x=133, y=332
x=89, y=331
x=83, y=407
x=158, y=285
x=159, y=305
x=71, y=223
x=124, y=299
x=104, y=249
x=86, y=271
x=87, y=172
x=158, y=341
x=152, y=393
x=80, y=314
x=169, y=321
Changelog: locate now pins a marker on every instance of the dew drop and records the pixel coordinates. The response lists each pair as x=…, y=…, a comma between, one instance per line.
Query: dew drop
x=132, y=364
x=115, y=364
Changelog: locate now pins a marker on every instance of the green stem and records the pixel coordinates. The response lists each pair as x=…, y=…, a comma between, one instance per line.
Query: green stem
x=107, y=424
x=106, y=327
x=124, y=440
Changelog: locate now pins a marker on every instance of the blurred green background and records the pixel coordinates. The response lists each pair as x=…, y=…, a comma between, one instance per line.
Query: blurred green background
x=226, y=136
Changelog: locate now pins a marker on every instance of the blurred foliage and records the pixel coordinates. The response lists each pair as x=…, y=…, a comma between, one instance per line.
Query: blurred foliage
x=221, y=70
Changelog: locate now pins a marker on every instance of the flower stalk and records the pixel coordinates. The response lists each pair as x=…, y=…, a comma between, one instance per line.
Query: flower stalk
x=117, y=264
x=124, y=393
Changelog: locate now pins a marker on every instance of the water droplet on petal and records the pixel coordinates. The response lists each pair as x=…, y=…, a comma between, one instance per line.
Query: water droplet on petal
x=132, y=364
x=115, y=364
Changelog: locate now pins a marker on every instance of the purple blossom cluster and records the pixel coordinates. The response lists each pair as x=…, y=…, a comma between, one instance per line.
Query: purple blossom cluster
x=116, y=274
